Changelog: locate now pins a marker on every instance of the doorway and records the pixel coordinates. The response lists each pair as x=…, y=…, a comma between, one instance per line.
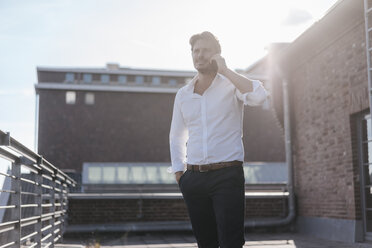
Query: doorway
x=365, y=166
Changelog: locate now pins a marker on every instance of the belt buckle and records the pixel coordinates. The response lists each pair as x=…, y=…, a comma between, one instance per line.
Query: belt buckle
x=204, y=165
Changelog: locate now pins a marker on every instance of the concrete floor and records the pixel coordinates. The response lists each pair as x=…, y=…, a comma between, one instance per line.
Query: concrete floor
x=186, y=240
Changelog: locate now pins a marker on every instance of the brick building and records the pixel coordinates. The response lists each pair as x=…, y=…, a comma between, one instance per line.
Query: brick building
x=105, y=115
x=118, y=114
x=109, y=128
x=326, y=72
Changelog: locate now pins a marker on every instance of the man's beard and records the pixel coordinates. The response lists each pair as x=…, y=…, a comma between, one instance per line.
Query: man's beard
x=210, y=69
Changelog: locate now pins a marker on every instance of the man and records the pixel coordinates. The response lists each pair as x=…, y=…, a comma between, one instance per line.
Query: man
x=206, y=140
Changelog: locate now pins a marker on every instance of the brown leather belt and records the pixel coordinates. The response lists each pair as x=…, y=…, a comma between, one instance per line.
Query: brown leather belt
x=213, y=166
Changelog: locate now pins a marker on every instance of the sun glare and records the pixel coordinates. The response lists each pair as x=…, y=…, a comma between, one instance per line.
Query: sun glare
x=247, y=27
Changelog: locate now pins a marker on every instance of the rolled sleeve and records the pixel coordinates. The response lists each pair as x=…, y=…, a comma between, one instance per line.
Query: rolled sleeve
x=256, y=97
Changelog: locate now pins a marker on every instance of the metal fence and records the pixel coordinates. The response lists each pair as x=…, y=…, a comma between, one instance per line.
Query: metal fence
x=33, y=197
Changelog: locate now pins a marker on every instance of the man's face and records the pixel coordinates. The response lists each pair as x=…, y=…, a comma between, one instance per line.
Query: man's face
x=201, y=54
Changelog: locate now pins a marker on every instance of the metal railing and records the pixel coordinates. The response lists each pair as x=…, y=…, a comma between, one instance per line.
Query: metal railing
x=36, y=197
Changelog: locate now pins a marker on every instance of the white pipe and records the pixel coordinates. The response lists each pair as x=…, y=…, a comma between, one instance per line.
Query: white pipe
x=288, y=148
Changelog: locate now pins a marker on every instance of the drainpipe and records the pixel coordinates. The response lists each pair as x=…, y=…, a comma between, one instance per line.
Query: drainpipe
x=288, y=155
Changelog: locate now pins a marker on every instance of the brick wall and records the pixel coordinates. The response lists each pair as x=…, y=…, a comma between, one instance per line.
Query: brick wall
x=100, y=211
x=131, y=127
x=326, y=90
x=118, y=127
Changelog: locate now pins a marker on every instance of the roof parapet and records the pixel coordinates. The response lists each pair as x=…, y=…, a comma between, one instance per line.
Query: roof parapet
x=112, y=66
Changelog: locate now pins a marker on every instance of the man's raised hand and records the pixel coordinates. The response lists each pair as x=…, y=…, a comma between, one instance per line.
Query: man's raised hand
x=220, y=62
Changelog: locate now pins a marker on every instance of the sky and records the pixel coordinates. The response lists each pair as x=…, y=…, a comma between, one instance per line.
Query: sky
x=133, y=33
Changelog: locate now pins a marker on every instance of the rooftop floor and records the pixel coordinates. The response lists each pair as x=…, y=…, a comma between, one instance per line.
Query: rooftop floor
x=185, y=240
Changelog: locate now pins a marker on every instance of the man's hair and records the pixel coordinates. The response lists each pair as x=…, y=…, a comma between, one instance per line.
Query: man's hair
x=208, y=36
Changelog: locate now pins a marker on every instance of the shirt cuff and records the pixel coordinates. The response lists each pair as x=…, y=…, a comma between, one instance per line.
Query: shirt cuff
x=174, y=169
x=257, y=96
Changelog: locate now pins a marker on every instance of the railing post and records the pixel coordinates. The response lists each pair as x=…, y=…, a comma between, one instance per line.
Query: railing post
x=16, y=200
x=61, y=208
x=65, y=204
x=38, y=201
x=53, y=207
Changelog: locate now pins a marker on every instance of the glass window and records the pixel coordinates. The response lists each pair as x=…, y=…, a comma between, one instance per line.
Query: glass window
x=156, y=80
x=105, y=78
x=109, y=174
x=123, y=174
x=172, y=82
x=122, y=79
x=87, y=78
x=153, y=174
x=369, y=143
x=70, y=77
x=128, y=173
x=167, y=178
x=89, y=98
x=70, y=97
x=94, y=174
x=138, y=174
x=140, y=79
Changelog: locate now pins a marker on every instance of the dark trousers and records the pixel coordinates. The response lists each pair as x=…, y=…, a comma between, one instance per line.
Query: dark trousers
x=215, y=201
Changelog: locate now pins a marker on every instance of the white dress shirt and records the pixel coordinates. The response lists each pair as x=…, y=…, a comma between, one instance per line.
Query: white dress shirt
x=208, y=128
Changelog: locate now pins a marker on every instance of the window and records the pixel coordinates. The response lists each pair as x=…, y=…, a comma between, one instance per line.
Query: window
x=87, y=78
x=122, y=79
x=138, y=174
x=127, y=173
x=109, y=174
x=105, y=78
x=122, y=174
x=94, y=174
x=89, y=98
x=140, y=79
x=172, y=82
x=70, y=97
x=70, y=77
x=156, y=80
x=153, y=174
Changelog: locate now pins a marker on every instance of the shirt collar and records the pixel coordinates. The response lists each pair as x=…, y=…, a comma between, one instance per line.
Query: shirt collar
x=191, y=84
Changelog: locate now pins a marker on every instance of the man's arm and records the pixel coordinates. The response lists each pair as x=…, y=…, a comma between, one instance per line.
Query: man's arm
x=177, y=140
x=251, y=92
x=243, y=84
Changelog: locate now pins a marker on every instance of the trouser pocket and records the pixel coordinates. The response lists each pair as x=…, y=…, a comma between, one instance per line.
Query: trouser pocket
x=181, y=179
